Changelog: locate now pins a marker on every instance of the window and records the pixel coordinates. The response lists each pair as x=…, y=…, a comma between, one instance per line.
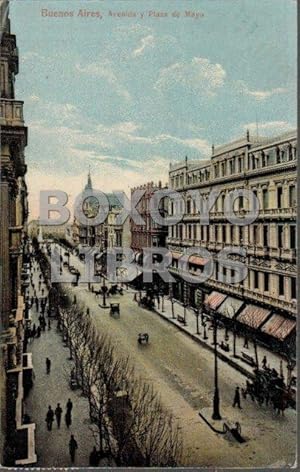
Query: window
x=279, y=197
x=188, y=207
x=224, y=233
x=231, y=234
x=280, y=236
x=292, y=196
x=280, y=285
x=240, y=202
x=293, y=288
x=216, y=170
x=240, y=164
x=264, y=159
x=265, y=198
x=240, y=235
x=195, y=232
x=216, y=232
x=217, y=270
x=266, y=235
x=255, y=234
x=293, y=237
x=266, y=282
x=255, y=279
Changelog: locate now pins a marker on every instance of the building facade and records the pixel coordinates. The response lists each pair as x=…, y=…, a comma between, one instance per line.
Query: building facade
x=264, y=303
x=16, y=364
x=108, y=234
x=150, y=234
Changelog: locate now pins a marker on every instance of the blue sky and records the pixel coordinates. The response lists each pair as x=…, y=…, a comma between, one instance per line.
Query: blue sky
x=128, y=95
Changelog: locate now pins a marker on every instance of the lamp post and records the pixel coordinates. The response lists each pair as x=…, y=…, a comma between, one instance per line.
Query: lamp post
x=216, y=400
x=104, y=290
x=197, y=314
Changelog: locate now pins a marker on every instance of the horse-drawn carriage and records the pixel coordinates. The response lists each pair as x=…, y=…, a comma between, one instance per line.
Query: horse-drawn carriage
x=114, y=289
x=147, y=302
x=143, y=338
x=267, y=386
x=115, y=309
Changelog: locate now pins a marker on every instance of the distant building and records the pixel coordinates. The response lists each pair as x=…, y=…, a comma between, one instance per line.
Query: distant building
x=264, y=304
x=150, y=234
x=107, y=234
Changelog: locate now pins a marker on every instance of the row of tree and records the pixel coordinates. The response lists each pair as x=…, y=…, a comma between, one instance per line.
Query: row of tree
x=127, y=417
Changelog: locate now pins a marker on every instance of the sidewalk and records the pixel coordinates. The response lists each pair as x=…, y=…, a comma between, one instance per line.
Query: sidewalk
x=273, y=360
x=52, y=447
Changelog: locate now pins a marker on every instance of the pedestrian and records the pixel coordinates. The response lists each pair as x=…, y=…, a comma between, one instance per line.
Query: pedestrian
x=33, y=331
x=36, y=303
x=49, y=418
x=264, y=362
x=43, y=324
x=49, y=324
x=58, y=413
x=94, y=458
x=68, y=418
x=40, y=320
x=32, y=301
x=48, y=365
x=246, y=343
x=237, y=398
x=72, y=447
x=69, y=405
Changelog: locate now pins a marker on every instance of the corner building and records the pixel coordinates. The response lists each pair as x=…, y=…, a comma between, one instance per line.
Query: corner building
x=263, y=305
x=17, y=443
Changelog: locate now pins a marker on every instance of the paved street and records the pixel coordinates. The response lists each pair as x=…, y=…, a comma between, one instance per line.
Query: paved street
x=182, y=371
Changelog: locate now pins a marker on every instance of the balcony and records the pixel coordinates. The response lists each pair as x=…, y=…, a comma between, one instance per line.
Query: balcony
x=11, y=112
x=280, y=213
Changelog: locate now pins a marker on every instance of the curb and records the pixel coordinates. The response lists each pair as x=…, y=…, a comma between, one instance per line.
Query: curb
x=224, y=358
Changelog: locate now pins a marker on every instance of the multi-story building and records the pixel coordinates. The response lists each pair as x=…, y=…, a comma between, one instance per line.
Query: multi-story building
x=17, y=439
x=264, y=303
x=150, y=234
x=108, y=234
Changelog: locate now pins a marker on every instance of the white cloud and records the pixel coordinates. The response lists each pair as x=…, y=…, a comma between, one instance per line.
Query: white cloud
x=268, y=127
x=199, y=75
x=32, y=99
x=105, y=71
x=260, y=95
x=145, y=43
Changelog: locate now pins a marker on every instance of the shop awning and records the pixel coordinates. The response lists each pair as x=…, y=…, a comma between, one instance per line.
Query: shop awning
x=230, y=307
x=279, y=327
x=176, y=255
x=197, y=260
x=253, y=316
x=214, y=299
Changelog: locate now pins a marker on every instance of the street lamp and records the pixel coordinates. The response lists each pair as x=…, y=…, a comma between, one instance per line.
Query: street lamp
x=216, y=400
x=197, y=314
x=104, y=290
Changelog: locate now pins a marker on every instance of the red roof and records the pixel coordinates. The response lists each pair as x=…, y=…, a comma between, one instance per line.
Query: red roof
x=214, y=299
x=279, y=327
x=253, y=316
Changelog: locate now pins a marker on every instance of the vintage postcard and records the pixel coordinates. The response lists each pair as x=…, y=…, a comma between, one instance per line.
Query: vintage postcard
x=148, y=200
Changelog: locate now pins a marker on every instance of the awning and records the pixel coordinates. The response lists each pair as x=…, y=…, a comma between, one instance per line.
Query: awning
x=279, y=327
x=197, y=260
x=230, y=306
x=214, y=299
x=176, y=255
x=253, y=316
